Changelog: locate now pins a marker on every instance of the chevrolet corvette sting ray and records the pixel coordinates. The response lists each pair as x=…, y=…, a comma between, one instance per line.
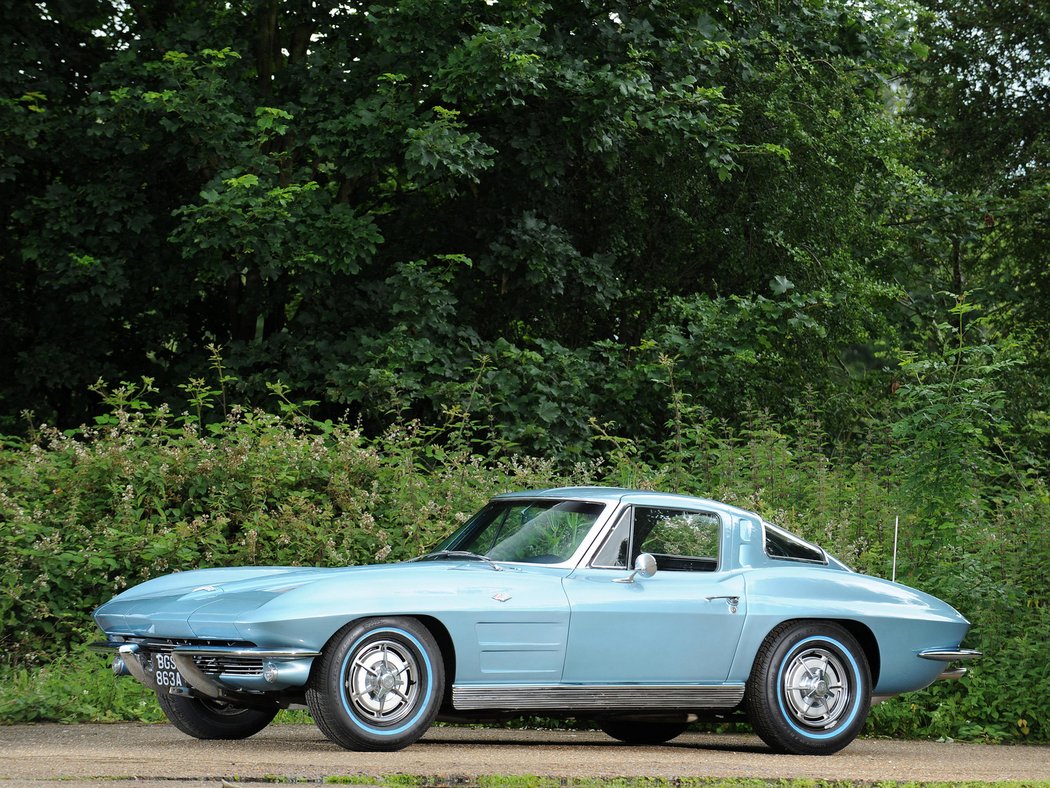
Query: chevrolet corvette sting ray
x=641, y=611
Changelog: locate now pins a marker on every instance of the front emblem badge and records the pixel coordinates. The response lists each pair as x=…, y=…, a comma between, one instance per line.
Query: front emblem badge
x=203, y=588
x=501, y=596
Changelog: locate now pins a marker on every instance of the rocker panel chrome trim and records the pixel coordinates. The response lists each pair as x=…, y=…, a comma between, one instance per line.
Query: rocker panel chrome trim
x=592, y=696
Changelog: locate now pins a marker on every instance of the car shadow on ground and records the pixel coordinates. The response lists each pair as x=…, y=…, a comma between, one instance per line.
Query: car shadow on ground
x=441, y=738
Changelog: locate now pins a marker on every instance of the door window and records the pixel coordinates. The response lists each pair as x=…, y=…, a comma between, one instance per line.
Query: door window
x=680, y=540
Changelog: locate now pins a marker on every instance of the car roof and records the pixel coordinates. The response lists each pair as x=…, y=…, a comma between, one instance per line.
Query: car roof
x=632, y=496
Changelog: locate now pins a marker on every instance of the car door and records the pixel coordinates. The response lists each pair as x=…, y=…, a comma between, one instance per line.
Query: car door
x=680, y=626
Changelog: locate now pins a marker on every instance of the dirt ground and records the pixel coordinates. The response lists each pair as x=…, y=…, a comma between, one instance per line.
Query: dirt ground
x=72, y=755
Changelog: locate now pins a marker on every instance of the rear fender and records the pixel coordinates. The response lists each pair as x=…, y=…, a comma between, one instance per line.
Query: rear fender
x=892, y=622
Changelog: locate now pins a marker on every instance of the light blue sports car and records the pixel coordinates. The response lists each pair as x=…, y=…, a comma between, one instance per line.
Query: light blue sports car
x=640, y=611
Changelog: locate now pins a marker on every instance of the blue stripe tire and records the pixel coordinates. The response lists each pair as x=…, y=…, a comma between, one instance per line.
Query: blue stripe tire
x=378, y=684
x=810, y=688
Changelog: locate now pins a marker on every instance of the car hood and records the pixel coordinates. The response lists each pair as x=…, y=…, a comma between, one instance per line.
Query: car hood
x=165, y=606
x=228, y=604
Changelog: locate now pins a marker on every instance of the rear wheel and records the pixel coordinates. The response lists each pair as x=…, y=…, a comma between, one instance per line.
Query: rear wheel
x=635, y=732
x=204, y=718
x=377, y=685
x=810, y=688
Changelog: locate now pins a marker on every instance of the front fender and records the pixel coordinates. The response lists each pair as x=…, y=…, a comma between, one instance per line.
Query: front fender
x=504, y=625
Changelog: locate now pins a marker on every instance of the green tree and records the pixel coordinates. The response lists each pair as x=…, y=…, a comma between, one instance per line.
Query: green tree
x=365, y=201
x=974, y=219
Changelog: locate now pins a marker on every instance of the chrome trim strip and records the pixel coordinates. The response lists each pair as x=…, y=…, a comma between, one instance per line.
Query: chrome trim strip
x=596, y=696
x=949, y=655
x=245, y=653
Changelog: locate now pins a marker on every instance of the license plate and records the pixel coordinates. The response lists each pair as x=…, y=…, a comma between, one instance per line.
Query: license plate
x=165, y=672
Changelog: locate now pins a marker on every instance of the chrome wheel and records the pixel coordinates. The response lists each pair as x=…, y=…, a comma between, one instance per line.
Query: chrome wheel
x=809, y=689
x=382, y=682
x=378, y=684
x=816, y=688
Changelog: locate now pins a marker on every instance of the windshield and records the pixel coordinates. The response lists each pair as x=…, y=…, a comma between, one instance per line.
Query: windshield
x=539, y=532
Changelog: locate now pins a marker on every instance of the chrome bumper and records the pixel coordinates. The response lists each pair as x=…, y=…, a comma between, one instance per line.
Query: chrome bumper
x=280, y=668
x=950, y=655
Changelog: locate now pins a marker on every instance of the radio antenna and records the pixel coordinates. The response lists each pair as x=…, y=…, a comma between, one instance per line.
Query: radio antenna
x=896, y=530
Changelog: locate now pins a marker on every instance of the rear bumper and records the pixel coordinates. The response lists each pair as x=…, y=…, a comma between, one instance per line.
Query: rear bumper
x=951, y=655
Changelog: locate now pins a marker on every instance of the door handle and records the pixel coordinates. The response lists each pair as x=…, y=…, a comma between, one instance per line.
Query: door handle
x=732, y=601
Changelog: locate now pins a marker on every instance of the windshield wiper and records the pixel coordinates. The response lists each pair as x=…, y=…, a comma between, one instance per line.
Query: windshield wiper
x=462, y=554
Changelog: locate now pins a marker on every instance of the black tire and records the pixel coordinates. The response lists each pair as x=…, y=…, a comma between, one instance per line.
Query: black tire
x=203, y=718
x=635, y=732
x=810, y=688
x=377, y=685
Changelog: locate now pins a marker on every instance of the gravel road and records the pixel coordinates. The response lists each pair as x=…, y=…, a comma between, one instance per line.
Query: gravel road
x=72, y=755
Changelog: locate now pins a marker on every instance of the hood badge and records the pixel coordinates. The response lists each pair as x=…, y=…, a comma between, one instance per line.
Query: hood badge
x=203, y=588
x=501, y=596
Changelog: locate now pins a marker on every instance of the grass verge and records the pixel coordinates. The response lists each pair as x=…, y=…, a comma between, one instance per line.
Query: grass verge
x=530, y=781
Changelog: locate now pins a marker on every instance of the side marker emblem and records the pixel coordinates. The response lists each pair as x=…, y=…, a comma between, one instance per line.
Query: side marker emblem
x=501, y=596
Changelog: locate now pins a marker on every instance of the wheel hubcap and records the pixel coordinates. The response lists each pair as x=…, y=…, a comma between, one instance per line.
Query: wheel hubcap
x=817, y=688
x=382, y=681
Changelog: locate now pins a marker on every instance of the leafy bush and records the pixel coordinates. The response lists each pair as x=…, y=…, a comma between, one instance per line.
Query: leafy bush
x=72, y=687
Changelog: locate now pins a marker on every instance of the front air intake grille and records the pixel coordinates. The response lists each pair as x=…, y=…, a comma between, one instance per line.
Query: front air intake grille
x=212, y=665
x=237, y=666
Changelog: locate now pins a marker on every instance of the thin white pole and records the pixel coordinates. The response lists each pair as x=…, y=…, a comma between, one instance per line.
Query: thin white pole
x=896, y=530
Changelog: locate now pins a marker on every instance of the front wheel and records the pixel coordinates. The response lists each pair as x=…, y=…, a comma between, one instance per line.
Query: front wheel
x=810, y=688
x=378, y=684
x=204, y=718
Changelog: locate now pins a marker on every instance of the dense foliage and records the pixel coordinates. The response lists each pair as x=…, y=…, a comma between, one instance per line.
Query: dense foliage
x=790, y=254
x=373, y=203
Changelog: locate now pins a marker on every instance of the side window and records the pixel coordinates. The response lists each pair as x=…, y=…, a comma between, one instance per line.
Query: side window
x=785, y=545
x=680, y=540
x=614, y=553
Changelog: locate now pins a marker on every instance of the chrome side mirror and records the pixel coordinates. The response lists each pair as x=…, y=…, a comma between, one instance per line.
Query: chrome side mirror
x=644, y=566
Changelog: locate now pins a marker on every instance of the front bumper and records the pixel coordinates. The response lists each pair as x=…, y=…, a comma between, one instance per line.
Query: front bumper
x=224, y=672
